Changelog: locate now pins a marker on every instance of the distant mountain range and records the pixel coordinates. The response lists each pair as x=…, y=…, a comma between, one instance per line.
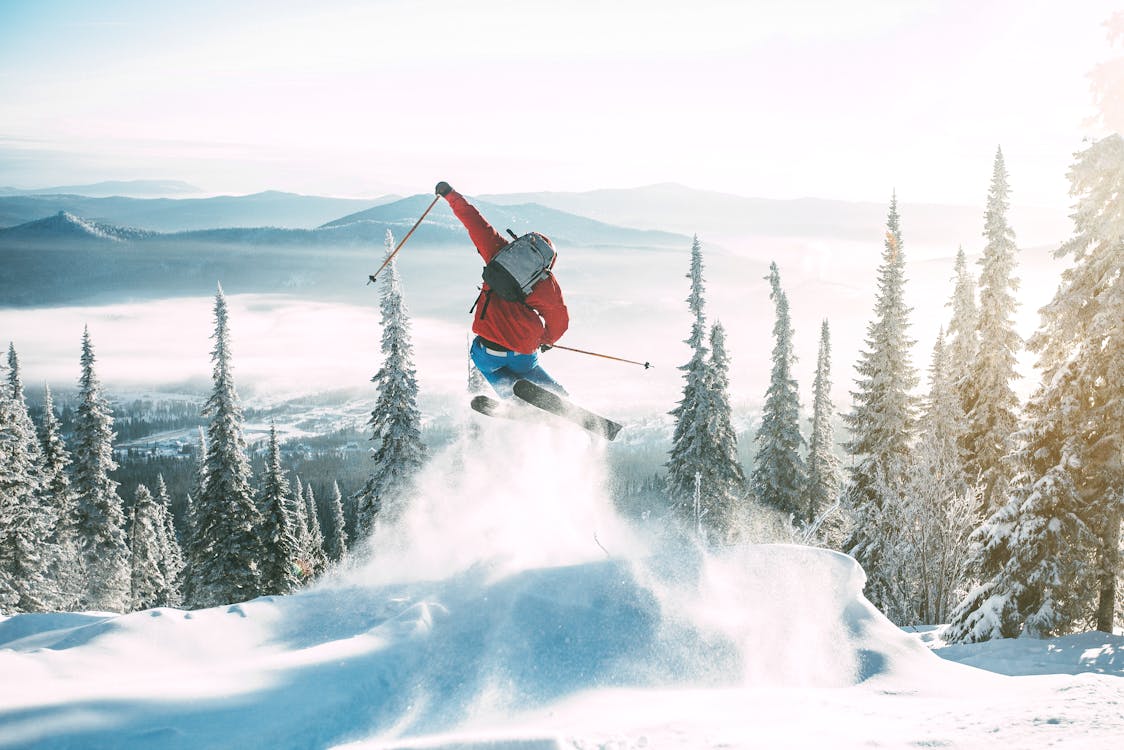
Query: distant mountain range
x=66, y=258
x=365, y=227
x=65, y=226
x=268, y=209
x=718, y=218
x=722, y=217
x=126, y=188
x=78, y=249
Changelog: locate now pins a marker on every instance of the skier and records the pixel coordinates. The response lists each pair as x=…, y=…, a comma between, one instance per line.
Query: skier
x=509, y=334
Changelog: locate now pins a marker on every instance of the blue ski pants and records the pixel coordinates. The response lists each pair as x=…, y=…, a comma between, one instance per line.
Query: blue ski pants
x=502, y=368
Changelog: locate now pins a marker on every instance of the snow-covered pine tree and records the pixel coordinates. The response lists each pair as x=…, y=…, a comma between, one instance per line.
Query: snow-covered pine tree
x=1051, y=563
x=26, y=427
x=963, y=339
x=225, y=549
x=989, y=610
x=298, y=511
x=317, y=559
x=25, y=585
x=100, y=523
x=992, y=405
x=1076, y=436
x=395, y=422
x=279, y=527
x=67, y=576
x=823, y=464
x=688, y=448
x=336, y=545
x=942, y=422
x=189, y=505
x=722, y=481
x=146, y=546
x=1035, y=556
x=780, y=476
x=171, y=559
x=1051, y=556
x=938, y=510
x=881, y=421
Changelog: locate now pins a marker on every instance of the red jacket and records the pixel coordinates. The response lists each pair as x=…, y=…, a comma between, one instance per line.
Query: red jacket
x=520, y=326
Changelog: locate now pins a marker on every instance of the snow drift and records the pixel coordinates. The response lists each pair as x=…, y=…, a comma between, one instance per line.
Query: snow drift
x=504, y=588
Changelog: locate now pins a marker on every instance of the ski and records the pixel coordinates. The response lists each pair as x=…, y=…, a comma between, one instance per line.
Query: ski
x=548, y=401
x=493, y=407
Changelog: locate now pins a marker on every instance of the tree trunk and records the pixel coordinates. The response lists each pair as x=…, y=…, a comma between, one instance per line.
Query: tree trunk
x=1110, y=567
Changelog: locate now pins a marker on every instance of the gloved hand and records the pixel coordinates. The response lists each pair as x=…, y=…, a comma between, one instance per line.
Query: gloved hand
x=546, y=347
x=443, y=188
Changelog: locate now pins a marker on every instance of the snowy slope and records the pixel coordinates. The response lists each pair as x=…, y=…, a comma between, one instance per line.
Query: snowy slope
x=508, y=608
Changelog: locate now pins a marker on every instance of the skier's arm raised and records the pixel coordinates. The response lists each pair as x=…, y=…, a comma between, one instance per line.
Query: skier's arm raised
x=487, y=240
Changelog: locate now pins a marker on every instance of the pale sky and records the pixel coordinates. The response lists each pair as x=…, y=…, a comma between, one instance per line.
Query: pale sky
x=785, y=98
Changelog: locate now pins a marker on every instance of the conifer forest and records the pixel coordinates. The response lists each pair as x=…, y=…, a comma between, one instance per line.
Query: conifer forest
x=967, y=505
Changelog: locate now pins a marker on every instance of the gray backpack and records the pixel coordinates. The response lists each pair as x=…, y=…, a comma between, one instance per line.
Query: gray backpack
x=513, y=272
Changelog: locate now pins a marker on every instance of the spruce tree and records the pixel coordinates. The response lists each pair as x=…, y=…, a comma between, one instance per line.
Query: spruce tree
x=24, y=523
x=395, y=422
x=146, y=545
x=1033, y=551
x=823, y=465
x=1058, y=564
x=298, y=509
x=336, y=546
x=26, y=428
x=197, y=484
x=1077, y=413
x=171, y=557
x=279, y=575
x=225, y=550
x=1051, y=563
x=881, y=422
x=937, y=513
x=990, y=609
x=779, y=476
x=963, y=339
x=66, y=565
x=100, y=523
x=722, y=480
x=992, y=405
x=317, y=559
x=688, y=451
x=942, y=421
x=1085, y=325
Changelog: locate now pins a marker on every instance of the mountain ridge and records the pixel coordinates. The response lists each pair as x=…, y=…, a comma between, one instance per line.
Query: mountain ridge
x=722, y=216
x=363, y=227
x=111, y=188
x=266, y=208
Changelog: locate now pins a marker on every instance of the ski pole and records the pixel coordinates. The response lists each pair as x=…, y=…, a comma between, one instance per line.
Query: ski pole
x=645, y=365
x=385, y=263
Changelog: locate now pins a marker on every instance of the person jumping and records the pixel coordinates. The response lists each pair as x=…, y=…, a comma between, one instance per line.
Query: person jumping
x=509, y=334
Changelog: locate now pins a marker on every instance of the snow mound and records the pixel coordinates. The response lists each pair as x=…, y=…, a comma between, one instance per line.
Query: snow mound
x=343, y=662
x=492, y=596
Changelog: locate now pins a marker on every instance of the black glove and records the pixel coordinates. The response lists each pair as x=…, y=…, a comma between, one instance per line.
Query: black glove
x=546, y=347
x=443, y=188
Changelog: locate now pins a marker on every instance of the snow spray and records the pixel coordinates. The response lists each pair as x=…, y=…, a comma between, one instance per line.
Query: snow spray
x=506, y=496
x=511, y=530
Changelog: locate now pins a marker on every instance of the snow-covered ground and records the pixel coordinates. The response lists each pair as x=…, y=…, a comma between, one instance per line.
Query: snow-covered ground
x=509, y=609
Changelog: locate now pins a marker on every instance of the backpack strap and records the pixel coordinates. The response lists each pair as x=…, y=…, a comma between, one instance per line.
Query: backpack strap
x=487, y=295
